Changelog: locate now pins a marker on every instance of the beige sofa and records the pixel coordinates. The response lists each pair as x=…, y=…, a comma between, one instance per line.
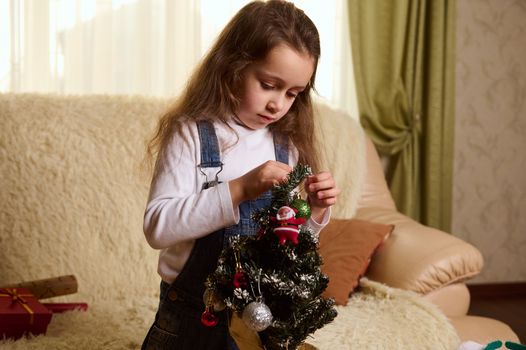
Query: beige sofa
x=73, y=196
x=426, y=260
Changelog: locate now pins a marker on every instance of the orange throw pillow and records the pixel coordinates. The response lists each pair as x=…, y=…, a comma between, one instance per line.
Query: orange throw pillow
x=347, y=246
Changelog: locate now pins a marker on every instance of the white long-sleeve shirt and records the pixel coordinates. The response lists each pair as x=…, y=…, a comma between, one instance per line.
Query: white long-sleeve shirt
x=178, y=212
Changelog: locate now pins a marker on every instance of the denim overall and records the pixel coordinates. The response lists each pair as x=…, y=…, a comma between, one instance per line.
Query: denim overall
x=177, y=323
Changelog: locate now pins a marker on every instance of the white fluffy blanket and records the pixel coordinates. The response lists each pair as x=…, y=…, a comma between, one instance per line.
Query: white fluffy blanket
x=377, y=317
x=73, y=198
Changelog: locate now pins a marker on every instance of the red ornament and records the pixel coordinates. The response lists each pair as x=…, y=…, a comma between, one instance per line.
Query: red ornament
x=240, y=279
x=208, y=318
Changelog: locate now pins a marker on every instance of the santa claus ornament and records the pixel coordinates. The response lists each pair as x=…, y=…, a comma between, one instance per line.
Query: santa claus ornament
x=287, y=225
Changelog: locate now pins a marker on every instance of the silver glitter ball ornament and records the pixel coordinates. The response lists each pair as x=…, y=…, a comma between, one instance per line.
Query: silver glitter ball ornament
x=257, y=316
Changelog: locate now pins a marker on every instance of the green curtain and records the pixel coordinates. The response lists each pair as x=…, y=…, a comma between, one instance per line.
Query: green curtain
x=403, y=53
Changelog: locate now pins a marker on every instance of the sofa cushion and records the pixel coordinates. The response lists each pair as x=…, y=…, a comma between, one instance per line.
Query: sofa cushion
x=346, y=246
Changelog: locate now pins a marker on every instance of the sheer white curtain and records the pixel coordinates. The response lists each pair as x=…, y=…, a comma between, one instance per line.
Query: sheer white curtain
x=146, y=47
x=98, y=46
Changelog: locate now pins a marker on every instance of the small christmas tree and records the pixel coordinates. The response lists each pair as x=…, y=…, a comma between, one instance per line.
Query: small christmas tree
x=273, y=280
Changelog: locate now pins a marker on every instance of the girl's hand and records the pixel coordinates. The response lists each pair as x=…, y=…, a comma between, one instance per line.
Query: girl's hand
x=257, y=181
x=322, y=193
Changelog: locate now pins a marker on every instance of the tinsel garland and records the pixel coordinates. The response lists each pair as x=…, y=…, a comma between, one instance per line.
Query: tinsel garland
x=284, y=276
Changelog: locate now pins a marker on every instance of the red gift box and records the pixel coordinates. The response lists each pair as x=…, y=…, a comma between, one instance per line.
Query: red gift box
x=20, y=313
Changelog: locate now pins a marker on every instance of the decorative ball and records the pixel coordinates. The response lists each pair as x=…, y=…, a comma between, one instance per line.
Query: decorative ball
x=217, y=302
x=302, y=207
x=209, y=319
x=239, y=280
x=257, y=316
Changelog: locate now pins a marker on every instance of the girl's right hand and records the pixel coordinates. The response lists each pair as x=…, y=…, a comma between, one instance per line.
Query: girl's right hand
x=257, y=181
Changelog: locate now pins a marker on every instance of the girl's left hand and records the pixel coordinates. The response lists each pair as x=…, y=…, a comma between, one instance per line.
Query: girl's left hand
x=322, y=193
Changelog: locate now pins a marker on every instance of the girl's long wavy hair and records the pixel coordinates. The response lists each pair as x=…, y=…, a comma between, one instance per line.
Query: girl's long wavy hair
x=212, y=92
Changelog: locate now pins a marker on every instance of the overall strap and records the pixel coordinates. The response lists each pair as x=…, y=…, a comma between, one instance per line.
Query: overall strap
x=210, y=155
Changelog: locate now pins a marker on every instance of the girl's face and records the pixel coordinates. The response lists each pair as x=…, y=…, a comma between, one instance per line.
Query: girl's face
x=270, y=86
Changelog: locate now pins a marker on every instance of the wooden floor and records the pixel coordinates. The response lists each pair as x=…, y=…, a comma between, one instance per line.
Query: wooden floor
x=510, y=309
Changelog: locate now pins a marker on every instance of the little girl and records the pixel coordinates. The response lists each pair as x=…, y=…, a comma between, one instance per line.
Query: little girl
x=244, y=119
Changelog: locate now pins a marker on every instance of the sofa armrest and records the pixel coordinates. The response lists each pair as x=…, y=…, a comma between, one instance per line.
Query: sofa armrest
x=417, y=257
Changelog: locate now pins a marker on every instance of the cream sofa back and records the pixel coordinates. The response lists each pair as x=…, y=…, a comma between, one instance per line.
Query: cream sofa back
x=73, y=194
